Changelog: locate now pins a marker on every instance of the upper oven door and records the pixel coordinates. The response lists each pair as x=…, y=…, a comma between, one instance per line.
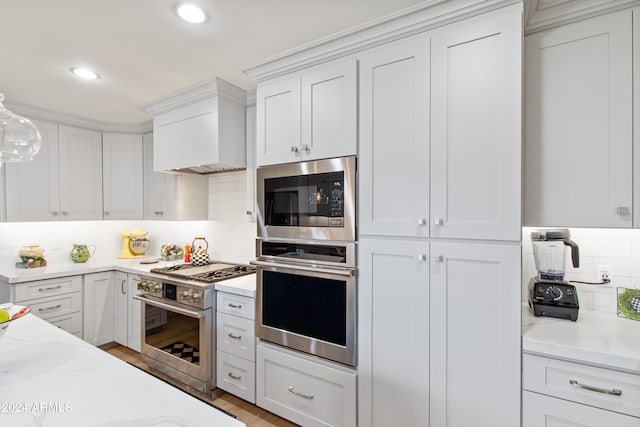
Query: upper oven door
x=308, y=200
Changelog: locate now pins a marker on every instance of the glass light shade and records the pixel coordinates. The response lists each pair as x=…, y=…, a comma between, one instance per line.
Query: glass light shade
x=20, y=139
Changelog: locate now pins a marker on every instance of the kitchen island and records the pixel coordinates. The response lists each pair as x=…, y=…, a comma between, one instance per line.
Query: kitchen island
x=51, y=378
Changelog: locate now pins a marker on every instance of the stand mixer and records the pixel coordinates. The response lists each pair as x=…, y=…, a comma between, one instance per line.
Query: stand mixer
x=549, y=294
x=135, y=244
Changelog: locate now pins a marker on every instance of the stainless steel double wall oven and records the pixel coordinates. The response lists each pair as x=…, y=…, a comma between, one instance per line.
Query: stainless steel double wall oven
x=306, y=285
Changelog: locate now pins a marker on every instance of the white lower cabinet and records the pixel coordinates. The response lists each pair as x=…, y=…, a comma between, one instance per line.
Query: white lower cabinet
x=564, y=393
x=58, y=301
x=236, y=345
x=393, y=333
x=121, y=302
x=99, y=308
x=304, y=389
x=544, y=411
x=134, y=314
x=475, y=336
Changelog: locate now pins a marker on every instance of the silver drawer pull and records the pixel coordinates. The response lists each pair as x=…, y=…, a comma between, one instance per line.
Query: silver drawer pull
x=235, y=337
x=614, y=392
x=234, y=306
x=305, y=396
x=234, y=377
x=49, y=288
x=50, y=308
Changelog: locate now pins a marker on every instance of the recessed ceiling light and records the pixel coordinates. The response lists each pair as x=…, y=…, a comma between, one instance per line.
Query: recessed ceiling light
x=84, y=73
x=191, y=13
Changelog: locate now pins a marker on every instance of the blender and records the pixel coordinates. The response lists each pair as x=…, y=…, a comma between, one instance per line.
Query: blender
x=549, y=294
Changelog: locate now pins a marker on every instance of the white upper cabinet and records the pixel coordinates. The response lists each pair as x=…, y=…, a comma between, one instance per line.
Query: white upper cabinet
x=329, y=108
x=278, y=120
x=394, y=139
x=474, y=305
x=308, y=115
x=122, y=172
x=578, y=124
x=32, y=188
x=476, y=127
x=80, y=161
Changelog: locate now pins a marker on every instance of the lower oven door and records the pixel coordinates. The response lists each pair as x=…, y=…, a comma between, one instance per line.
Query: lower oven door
x=308, y=309
x=179, y=340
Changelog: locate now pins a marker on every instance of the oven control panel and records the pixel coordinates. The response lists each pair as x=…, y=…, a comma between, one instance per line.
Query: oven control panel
x=191, y=296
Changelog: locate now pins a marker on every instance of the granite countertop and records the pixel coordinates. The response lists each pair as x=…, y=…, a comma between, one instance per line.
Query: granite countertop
x=51, y=378
x=596, y=338
x=244, y=285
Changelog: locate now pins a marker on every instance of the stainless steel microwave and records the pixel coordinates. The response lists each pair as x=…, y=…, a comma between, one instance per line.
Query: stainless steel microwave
x=308, y=200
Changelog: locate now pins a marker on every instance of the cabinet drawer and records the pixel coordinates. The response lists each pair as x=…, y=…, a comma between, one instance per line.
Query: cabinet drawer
x=47, y=288
x=303, y=390
x=237, y=305
x=236, y=336
x=544, y=411
x=48, y=308
x=582, y=384
x=71, y=323
x=236, y=375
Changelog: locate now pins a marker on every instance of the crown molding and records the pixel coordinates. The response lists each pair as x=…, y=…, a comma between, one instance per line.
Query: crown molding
x=543, y=14
x=77, y=121
x=251, y=98
x=416, y=19
x=199, y=92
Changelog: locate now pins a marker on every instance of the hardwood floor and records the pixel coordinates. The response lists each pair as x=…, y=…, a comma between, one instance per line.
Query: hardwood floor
x=249, y=414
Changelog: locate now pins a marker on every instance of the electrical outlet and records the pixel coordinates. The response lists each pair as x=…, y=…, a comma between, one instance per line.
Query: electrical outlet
x=604, y=273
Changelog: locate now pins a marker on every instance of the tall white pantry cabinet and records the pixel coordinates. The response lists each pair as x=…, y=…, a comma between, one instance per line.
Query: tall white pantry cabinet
x=440, y=217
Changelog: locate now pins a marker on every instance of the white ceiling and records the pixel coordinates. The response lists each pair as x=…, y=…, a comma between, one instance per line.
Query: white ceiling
x=143, y=52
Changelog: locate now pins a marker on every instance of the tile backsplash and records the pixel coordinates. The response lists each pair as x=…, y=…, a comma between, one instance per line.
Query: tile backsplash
x=617, y=248
x=230, y=233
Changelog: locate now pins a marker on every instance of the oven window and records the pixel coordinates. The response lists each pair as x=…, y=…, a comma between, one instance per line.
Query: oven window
x=315, y=200
x=309, y=306
x=174, y=333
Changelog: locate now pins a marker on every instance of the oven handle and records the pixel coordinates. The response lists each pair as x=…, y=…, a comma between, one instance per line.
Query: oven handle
x=169, y=307
x=347, y=273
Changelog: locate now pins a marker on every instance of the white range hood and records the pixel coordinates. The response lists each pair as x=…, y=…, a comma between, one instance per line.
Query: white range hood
x=200, y=130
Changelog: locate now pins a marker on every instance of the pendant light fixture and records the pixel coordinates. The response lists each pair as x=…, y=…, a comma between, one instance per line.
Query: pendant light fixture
x=20, y=139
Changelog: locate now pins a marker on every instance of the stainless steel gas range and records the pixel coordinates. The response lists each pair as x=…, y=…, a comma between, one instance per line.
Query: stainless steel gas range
x=178, y=320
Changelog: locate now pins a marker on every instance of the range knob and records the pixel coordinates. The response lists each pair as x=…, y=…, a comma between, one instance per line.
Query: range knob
x=140, y=286
x=184, y=295
x=157, y=287
x=195, y=297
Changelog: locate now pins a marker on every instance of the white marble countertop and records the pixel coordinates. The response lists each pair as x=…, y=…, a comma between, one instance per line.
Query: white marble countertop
x=11, y=274
x=596, y=338
x=50, y=378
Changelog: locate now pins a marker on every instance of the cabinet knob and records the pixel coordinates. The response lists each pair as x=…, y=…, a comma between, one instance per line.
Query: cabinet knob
x=65, y=213
x=249, y=212
x=438, y=221
x=294, y=150
x=422, y=257
x=422, y=221
x=106, y=213
x=54, y=213
x=158, y=213
x=439, y=258
x=622, y=210
x=306, y=148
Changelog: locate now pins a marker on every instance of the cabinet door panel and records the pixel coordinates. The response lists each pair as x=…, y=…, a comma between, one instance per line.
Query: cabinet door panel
x=278, y=121
x=80, y=156
x=329, y=105
x=475, y=127
x=32, y=187
x=134, y=315
x=99, y=308
x=154, y=183
x=121, y=302
x=393, y=333
x=578, y=124
x=123, y=174
x=394, y=139
x=475, y=334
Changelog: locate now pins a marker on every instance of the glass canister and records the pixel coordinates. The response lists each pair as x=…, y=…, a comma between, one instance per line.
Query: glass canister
x=81, y=253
